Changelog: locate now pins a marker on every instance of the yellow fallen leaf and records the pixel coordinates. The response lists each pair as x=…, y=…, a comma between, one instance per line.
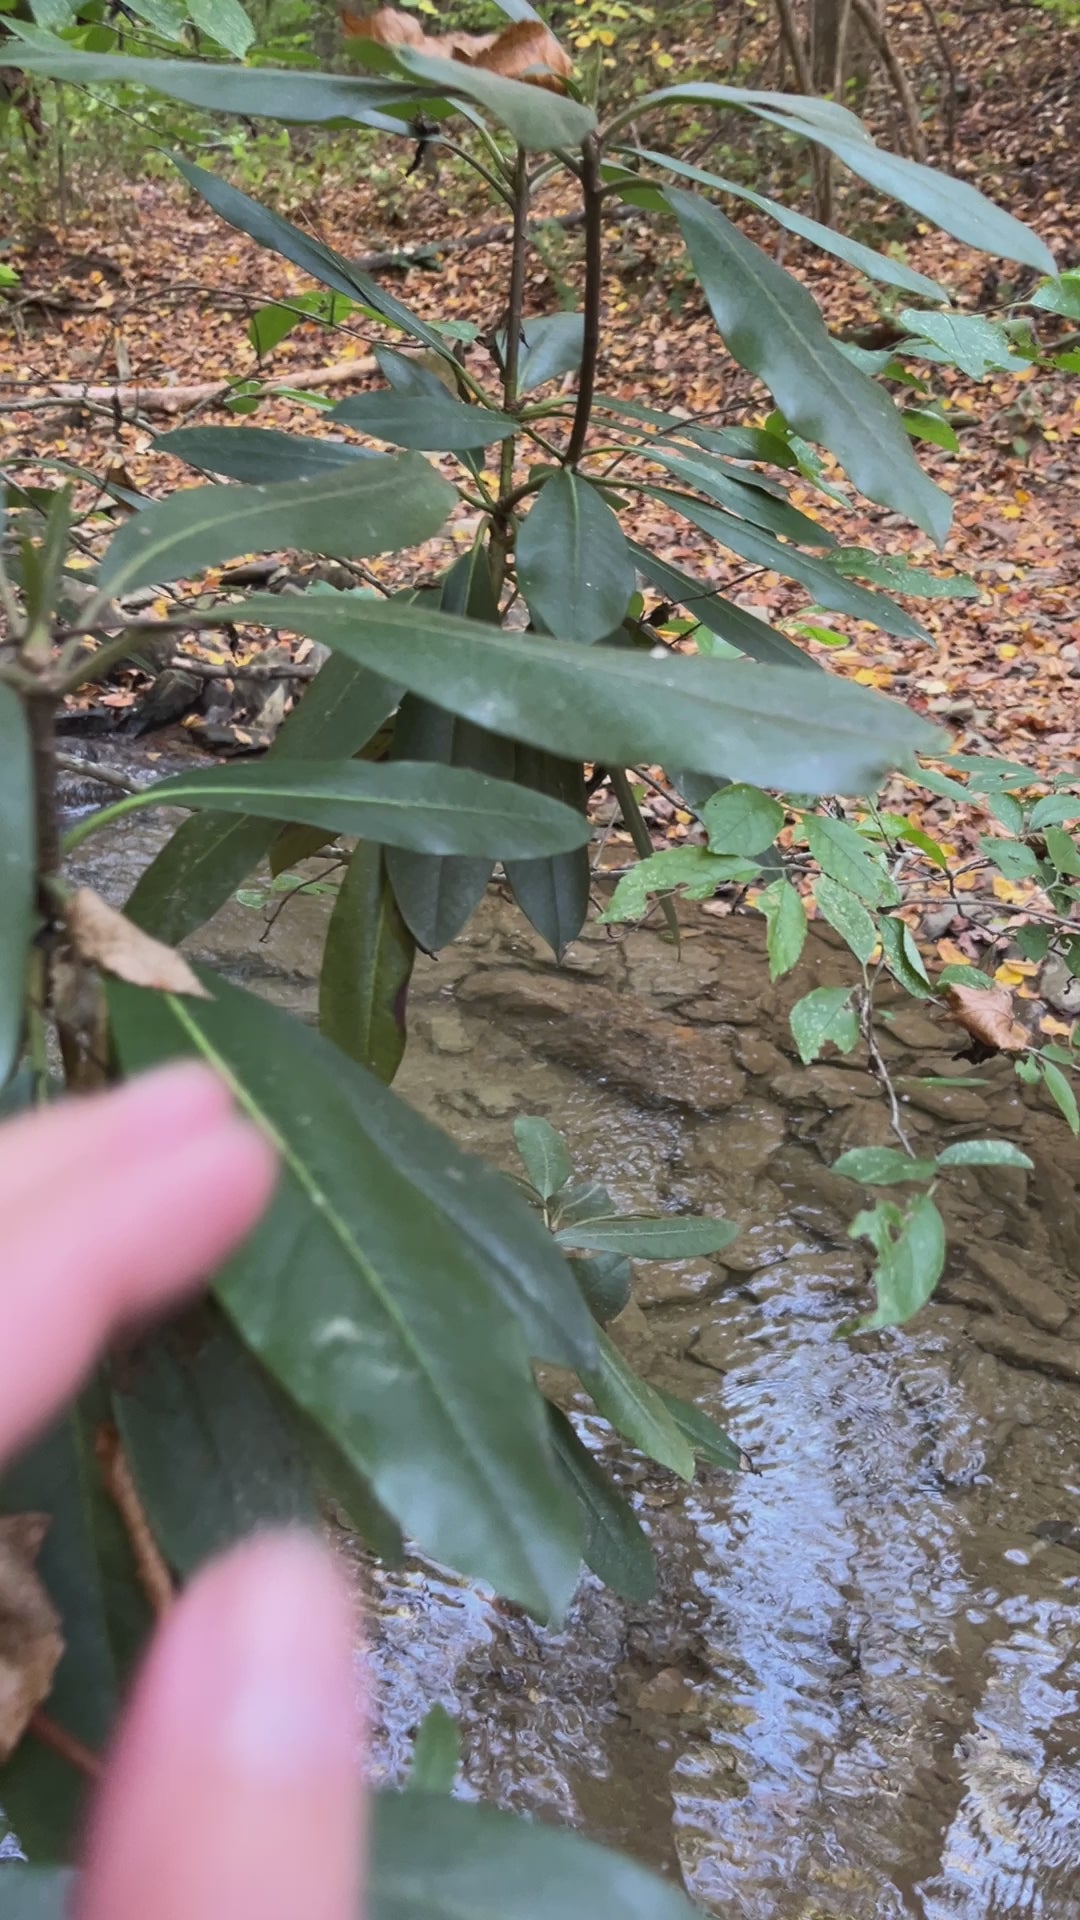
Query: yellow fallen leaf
x=1007, y=651
x=109, y=940
x=953, y=955
x=1057, y=1029
x=1006, y=890
x=1013, y=973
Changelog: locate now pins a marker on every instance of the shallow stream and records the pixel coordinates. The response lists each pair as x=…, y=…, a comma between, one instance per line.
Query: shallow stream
x=855, y=1695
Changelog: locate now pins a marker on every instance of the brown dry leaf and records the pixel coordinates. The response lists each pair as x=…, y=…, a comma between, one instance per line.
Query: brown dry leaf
x=389, y=27
x=987, y=1014
x=31, y=1642
x=106, y=938
x=528, y=51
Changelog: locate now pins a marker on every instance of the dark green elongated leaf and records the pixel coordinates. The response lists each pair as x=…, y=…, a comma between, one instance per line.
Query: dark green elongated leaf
x=225, y=21
x=876, y=266
x=310, y=255
x=882, y=1167
x=636, y=1410
x=772, y=726
x=360, y=508
x=436, y=1754
x=543, y=1153
x=210, y=854
x=17, y=873
x=348, y=1491
x=86, y=1567
x=640, y=1237
x=539, y=121
x=572, y=560
x=785, y=917
x=552, y=893
x=616, y=1549
x=951, y=204
x=553, y=345
x=844, y=855
x=440, y=424
x=36, y=1893
x=436, y=1859
x=1061, y=1093
x=404, y=803
x=733, y=624
x=742, y=819
x=366, y=968
x=708, y=1440
x=911, y=1257
x=195, y=1411
x=438, y=896
x=606, y=1280
x=714, y=478
x=829, y=588
x=774, y=327
x=983, y=1153
x=260, y=454
x=844, y=911
x=396, y=1344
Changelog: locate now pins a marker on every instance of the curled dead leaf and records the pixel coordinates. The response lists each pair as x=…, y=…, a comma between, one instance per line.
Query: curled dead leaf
x=526, y=51
x=109, y=940
x=31, y=1642
x=987, y=1014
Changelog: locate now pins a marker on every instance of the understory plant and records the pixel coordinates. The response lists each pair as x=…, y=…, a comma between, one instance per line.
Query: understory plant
x=376, y=1338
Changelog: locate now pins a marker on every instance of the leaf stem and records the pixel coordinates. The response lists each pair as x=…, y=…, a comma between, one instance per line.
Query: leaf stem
x=502, y=534
x=592, y=189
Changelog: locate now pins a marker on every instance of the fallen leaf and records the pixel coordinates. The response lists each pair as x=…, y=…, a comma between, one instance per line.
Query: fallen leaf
x=987, y=1014
x=106, y=938
x=30, y=1639
x=528, y=51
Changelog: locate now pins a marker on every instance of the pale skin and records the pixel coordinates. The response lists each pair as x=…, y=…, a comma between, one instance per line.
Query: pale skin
x=232, y=1789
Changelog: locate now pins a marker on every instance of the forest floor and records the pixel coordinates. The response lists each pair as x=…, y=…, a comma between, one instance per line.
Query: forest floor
x=147, y=287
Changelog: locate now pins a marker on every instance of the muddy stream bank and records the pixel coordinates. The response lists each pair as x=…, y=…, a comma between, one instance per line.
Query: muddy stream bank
x=856, y=1691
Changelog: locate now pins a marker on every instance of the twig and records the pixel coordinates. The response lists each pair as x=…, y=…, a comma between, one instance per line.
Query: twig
x=592, y=188
x=941, y=41
x=878, y=35
x=172, y=399
x=878, y=1068
x=153, y=1574
x=90, y=770
x=52, y=1735
x=502, y=520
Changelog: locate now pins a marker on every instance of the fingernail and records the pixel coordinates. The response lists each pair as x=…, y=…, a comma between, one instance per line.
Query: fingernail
x=286, y=1705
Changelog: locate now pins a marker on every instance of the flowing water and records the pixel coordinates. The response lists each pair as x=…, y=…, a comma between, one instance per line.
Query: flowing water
x=856, y=1691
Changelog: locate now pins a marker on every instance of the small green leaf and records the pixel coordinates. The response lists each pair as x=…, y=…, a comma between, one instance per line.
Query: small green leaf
x=436, y=1754
x=544, y=1155
x=573, y=564
x=17, y=873
x=694, y=870
x=842, y=853
x=902, y=957
x=1006, y=808
x=1054, y=810
x=1061, y=1093
x=616, y=1549
x=636, y=1410
x=922, y=423
x=882, y=1167
x=1061, y=294
x=967, y=341
x=366, y=967
x=847, y=914
x=741, y=819
x=224, y=21
x=1063, y=850
x=642, y=1237
x=911, y=1258
x=983, y=1153
x=785, y=917
x=708, y=1440
x=822, y=1017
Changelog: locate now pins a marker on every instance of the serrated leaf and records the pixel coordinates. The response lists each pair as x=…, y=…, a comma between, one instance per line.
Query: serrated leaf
x=544, y=1155
x=366, y=967
x=843, y=854
x=225, y=21
x=882, y=1167
x=359, y=509
x=573, y=564
x=821, y=1017
x=694, y=870
x=636, y=1410
x=1054, y=810
x=742, y=820
x=17, y=873
x=616, y=1549
x=641, y=1237
x=772, y=726
x=983, y=1153
x=844, y=911
x=785, y=918
x=773, y=326
x=398, y=1345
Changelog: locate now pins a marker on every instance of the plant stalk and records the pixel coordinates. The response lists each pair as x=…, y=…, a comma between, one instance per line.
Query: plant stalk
x=502, y=522
x=592, y=188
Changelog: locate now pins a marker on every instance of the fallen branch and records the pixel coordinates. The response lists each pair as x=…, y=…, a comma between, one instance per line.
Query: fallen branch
x=174, y=399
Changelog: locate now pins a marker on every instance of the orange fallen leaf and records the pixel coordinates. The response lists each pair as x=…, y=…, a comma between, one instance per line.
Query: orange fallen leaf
x=987, y=1014
x=109, y=940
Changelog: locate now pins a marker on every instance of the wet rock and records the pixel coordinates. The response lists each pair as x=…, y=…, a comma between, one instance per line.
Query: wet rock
x=958, y=1104
x=863, y=1125
x=715, y=1347
x=917, y=1031
x=1019, y=1286
x=610, y=1037
x=498, y=1100
x=679, y=1285
x=448, y=1033
x=1064, y=1533
x=1013, y=1341
x=757, y=1056
x=739, y=1147
x=720, y=1010
x=763, y=1243
x=827, y=1086
x=811, y=1193
x=668, y=1692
